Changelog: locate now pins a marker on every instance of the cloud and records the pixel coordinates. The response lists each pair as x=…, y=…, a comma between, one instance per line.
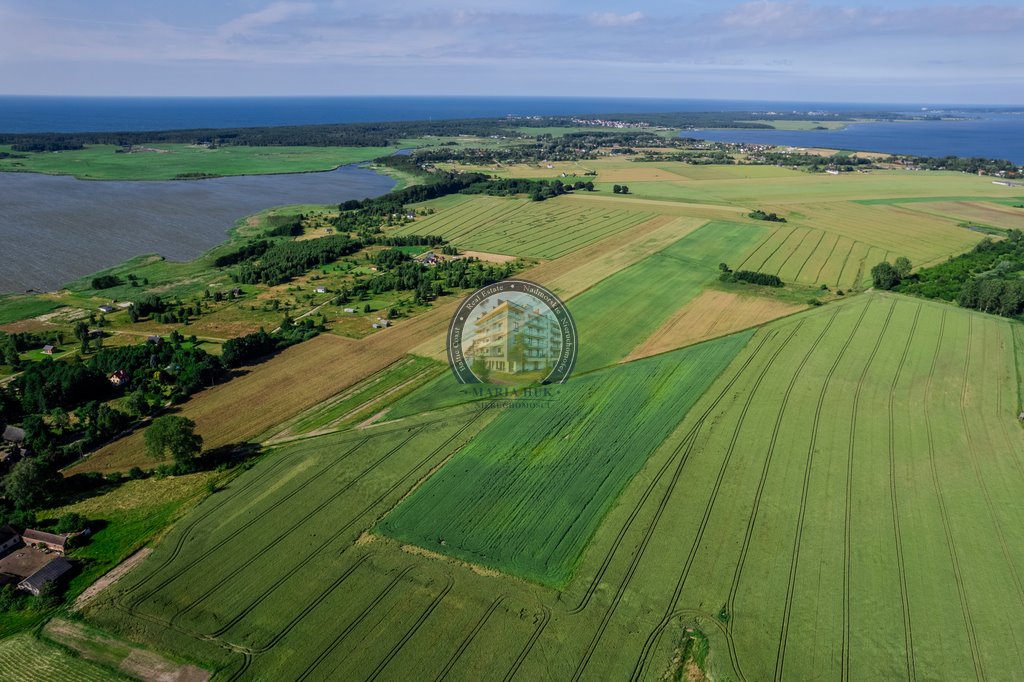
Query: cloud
x=611, y=19
x=270, y=15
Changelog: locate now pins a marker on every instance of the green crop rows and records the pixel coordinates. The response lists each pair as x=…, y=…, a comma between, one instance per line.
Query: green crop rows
x=526, y=495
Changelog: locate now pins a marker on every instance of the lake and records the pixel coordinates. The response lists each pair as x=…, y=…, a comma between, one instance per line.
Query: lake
x=55, y=229
x=995, y=136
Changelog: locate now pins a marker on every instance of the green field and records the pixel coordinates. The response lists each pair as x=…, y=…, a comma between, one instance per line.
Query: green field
x=521, y=227
x=23, y=658
x=558, y=468
x=624, y=309
x=103, y=162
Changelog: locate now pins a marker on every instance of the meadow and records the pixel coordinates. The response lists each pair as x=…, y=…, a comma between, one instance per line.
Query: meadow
x=23, y=658
x=169, y=161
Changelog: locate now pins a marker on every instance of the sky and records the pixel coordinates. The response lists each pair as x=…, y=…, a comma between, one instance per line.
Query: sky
x=779, y=50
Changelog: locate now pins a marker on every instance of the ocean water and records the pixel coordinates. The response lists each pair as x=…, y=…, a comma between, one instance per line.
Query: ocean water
x=56, y=229
x=21, y=114
x=992, y=135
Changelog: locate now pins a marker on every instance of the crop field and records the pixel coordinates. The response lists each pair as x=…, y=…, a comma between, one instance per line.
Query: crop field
x=711, y=314
x=838, y=503
x=559, y=469
x=166, y=161
x=617, y=314
x=23, y=658
x=837, y=243
x=546, y=229
x=983, y=212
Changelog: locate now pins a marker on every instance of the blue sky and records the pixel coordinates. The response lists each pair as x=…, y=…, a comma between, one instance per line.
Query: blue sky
x=812, y=50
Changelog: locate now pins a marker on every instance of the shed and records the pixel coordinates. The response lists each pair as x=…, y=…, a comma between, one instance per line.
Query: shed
x=48, y=540
x=321, y=290
x=45, y=575
x=350, y=310
x=106, y=308
x=8, y=538
x=48, y=349
x=14, y=434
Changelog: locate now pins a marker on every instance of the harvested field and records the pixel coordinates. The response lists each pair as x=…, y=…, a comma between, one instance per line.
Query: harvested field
x=981, y=212
x=23, y=658
x=712, y=314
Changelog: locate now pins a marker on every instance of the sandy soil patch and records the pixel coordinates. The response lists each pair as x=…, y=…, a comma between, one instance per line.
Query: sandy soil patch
x=489, y=257
x=111, y=577
x=711, y=314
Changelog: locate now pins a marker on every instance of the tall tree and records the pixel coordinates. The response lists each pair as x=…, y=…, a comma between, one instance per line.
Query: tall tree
x=175, y=435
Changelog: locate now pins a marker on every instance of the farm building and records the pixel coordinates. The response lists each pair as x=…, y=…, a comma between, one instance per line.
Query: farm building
x=118, y=378
x=350, y=310
x=45, y=575
x=51, y=541
x=48, y=349
x=155, y=340
x=8, y=538
x=321, y=290
x=106, y=308
x=13, y=434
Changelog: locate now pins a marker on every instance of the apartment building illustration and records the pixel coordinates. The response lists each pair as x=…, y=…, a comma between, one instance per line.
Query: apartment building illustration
x=512, y=337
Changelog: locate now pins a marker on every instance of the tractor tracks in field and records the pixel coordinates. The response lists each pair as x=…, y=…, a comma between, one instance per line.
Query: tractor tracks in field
x=474, y=631
x=652, y=639
x=337, y=533
x=756, y=506
x=848, y=520
x=798, y=537
x=972, y=637
x=545, y=618
x=908, y=630
x=295, y=525
x=685, y=447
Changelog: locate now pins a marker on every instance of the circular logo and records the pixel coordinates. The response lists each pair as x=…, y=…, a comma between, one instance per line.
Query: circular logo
x=512, y=332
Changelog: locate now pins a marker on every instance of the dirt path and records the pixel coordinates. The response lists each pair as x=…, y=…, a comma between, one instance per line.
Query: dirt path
x=110, y=577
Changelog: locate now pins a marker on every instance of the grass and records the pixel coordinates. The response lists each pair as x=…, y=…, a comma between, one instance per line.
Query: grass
x=15, y=308
x=558, y=468
x=103, y=162
x=23, y=658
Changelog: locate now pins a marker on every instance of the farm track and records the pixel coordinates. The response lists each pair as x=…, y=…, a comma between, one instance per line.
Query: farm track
x=650, y=644
x=544, y=620
x=798, y=536
x=908, y=630
x=352, y=625
x=769, y=455
x=685, y=443
x=848, y=523
x=340, y=530
x=972, y=637
x=474, y=631
x=449, y=584
x=281, y=536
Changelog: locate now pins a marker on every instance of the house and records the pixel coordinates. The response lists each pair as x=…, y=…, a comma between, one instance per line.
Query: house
x=8, y=538
x=382, y=323
x=51, y=541
x=236, y=292
x=13, y=434
x=321, y=290
x=48, y=349
x=118, y=378
x=45, y=575
x=155, y=340
x=106, y=308
x=429, y=258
